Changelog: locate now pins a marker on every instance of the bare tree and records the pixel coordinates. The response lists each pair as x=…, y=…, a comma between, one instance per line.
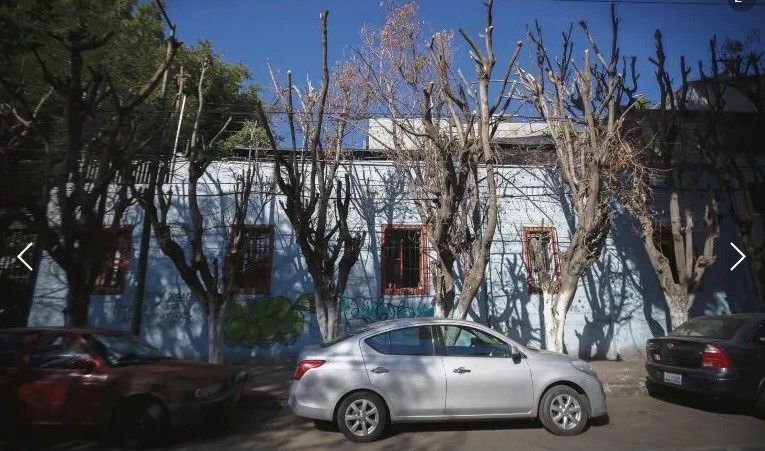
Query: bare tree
x=316, y=191
x=439, y=131
x=104, y=127
x=736, y=68
x=585, y=107
x=210, y=280
x=667, y=212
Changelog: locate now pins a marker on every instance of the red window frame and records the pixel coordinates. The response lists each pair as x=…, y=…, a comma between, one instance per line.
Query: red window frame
x=253, y=287
x=533, y=287
x=422, y=287
x=116, y=260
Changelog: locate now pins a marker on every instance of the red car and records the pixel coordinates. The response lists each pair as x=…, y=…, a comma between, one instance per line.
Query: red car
x=107, y=377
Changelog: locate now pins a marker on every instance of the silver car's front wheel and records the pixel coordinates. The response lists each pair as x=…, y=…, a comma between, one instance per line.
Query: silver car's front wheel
x=362, y=417
x=562, y=411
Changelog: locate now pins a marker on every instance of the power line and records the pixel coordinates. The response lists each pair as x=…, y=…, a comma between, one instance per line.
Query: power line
x=646, y=2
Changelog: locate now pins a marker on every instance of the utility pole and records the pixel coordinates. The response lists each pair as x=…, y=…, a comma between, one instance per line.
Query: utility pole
x=143, y=254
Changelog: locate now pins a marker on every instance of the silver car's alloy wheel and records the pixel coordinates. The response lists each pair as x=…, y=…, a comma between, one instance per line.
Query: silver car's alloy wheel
x=566, y=412
x=362, y=417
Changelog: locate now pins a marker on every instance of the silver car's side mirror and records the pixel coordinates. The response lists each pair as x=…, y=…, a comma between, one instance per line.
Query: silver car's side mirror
x=515, y=352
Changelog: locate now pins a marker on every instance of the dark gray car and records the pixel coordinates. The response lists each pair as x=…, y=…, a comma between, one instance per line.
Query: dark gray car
x=426, y=369
x=720, y=355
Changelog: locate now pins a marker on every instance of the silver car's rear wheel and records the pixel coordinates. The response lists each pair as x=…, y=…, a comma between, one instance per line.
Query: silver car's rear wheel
x=362, y=417
x=563, y=411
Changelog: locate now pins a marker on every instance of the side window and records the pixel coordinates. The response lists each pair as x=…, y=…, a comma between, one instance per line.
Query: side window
x=408, y=341
x=56, y=352
x=380, y=343
x=11, y=350
x=469, y=342
x=759, y=336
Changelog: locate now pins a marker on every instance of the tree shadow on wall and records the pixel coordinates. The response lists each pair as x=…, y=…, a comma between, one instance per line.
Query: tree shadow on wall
x=515, y=318
x=617, y=287
x=379, y=197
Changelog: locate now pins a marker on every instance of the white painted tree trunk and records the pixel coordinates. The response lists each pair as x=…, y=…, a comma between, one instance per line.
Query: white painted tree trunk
x=555, y=307
x=327, y=315
x=215, y=338
x=678, y=308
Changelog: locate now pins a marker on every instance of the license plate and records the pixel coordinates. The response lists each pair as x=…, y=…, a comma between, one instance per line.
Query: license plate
x=673, y=378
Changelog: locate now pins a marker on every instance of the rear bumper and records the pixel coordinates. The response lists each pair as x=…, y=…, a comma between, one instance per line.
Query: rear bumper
x=307, y=407
x=726, y=384
x=193, y=411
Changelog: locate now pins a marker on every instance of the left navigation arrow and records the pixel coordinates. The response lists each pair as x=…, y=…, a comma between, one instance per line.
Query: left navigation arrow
x=22, y=260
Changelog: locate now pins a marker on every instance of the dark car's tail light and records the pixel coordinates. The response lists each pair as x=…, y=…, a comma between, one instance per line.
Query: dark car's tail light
x=715, y=357
x=306, y=365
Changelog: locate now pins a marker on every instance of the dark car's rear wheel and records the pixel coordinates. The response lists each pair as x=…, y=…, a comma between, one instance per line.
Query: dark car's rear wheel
x=563, y=411
x=362, y=417
x=140, y=423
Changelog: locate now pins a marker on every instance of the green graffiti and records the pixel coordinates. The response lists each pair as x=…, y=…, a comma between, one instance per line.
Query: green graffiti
x=266, y=321
x=306, y=302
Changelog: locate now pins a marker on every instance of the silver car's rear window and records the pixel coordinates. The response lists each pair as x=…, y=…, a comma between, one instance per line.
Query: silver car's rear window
x=345, y=337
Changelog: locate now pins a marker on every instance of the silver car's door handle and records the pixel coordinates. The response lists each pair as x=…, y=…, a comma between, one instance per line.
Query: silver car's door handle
x=380, y=370
x=461, y=370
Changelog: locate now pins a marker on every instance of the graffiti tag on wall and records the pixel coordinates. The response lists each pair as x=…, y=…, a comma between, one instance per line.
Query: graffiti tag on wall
x=360, y=311
x=177, y=308
x=266, y=321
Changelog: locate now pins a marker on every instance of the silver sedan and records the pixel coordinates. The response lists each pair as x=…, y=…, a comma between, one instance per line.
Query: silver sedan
x=428, y=369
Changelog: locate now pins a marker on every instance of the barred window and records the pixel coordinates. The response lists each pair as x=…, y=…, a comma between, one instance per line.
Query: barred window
x=252, y=264
x=115, y=261
x=15, y=239
x=404, y=260
x=540, y=254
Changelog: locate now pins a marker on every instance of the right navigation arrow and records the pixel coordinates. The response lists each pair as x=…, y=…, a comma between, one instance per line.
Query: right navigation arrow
x=740, y=259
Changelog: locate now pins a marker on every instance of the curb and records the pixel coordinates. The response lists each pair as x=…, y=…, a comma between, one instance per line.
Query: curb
x=618, y=390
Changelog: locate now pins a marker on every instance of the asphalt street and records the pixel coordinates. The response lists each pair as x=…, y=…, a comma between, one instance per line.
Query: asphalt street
x=635, y=423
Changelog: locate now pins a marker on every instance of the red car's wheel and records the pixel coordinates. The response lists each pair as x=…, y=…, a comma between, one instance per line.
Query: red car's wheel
x=140, y=423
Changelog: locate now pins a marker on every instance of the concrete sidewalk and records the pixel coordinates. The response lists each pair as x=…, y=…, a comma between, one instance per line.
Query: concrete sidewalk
x=622, y=377
x=269, y=384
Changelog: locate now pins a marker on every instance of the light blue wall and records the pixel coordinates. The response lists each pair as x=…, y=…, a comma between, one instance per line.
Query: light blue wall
x=618, y=304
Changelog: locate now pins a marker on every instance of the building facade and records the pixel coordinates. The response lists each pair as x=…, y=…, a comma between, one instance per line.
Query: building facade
x=618, y=303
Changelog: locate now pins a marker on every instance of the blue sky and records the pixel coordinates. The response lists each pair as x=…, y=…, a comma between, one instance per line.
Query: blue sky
x=286, y=32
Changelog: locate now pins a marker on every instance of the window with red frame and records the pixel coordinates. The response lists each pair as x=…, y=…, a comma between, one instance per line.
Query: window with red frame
x=252, y=265
x=404, y=260
x=540, y=254
x=116, y=249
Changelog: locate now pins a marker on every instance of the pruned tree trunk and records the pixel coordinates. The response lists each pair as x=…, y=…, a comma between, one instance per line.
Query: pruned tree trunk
x=585, y=109
x=216, y=320
x=555, y=308
x=679, y=305
x=317, y=196
x=443, y=281
x=439, y=133
x=679, y=262
x=77, y=299
x=210, y=280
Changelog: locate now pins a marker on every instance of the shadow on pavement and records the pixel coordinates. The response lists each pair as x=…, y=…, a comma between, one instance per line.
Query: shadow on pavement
x=477, y=425
x=253, y=412
x=703, y=402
